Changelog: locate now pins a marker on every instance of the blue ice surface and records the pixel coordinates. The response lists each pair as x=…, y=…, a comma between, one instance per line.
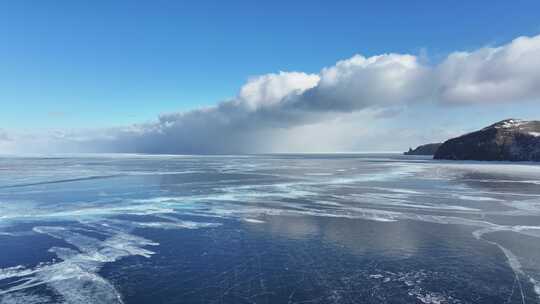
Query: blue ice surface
x=317, y=228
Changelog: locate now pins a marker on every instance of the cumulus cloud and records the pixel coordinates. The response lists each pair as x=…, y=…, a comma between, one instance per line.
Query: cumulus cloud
x=293, y=110
x=500, y=74
x=359, y=82
x=270, y=89
x=270, y=108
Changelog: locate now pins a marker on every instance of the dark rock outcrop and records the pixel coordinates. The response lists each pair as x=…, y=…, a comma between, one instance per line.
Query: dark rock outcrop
x=509, y=140
x=427, y=149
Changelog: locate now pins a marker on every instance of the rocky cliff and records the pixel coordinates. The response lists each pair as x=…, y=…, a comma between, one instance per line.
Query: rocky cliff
x=510, y=139
x=427, y=149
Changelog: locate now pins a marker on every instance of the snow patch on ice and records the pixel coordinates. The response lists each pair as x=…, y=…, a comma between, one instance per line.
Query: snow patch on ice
x=75, y=276
x=177, y=225
x=536, y=286
x=414, y=282
x=21, y=298
x=318, y=174
x=253, y=221
x=475, y=198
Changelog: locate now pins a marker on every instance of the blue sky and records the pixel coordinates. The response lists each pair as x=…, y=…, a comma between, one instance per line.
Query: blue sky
x=79, y=64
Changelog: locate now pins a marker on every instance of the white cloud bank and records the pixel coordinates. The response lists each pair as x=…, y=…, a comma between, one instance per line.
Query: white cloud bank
x=290, y=110
x=502, y=74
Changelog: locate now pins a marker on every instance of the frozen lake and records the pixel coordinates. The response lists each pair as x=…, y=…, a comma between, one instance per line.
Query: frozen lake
x=339, y=228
